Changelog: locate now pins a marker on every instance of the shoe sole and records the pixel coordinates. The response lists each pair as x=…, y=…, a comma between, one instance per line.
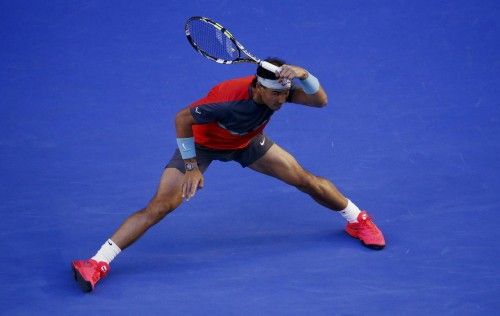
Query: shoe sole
x=371, y=246
x=85, y=285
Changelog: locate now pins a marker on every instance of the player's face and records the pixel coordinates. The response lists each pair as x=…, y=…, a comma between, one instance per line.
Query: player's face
x=274, y=99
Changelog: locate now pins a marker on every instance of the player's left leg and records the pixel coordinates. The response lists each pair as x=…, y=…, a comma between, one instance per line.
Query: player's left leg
x=279, y=164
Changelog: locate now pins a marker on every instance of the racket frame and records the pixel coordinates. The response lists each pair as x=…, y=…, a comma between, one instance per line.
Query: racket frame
x=251, y=58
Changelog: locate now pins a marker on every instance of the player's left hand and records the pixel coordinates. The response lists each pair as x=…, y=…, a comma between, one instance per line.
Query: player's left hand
x=290, y=72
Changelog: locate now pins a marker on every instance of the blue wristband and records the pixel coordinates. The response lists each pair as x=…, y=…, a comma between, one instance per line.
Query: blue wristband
x=310, y=84
x=186, y=147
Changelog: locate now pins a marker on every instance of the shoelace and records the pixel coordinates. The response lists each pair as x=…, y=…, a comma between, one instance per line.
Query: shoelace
x=369, y=224
x=98, y=272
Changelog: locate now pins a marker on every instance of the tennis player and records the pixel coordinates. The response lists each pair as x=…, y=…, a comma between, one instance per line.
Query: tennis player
x=227, y=125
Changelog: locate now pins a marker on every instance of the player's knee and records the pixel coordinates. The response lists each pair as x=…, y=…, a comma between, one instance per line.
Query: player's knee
x=311, y=184
x=305, y=181
x=158, y=209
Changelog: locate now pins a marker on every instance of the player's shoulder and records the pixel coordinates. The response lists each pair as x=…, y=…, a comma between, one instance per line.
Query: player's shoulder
x=234, y=89
x=238, y=82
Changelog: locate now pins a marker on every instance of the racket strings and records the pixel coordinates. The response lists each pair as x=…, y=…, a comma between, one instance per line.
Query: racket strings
x=212, y=41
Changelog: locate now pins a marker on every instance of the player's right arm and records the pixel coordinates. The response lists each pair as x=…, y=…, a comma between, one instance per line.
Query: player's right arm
x=314, y=96
x=193, y=178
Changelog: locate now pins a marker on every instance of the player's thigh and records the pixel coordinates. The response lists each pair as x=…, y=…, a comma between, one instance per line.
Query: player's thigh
x=170, y=187
x=280, y=164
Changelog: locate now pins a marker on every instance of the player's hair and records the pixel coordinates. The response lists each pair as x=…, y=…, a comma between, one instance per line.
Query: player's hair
x=264, y=73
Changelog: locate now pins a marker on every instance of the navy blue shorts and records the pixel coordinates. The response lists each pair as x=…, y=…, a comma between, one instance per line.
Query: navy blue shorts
x=258, y=146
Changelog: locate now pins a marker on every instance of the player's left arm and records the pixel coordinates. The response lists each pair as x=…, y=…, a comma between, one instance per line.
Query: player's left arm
x=312, y=94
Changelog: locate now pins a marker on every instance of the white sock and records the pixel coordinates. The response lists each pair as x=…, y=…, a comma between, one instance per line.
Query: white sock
x=351, y=212
x=109, y=250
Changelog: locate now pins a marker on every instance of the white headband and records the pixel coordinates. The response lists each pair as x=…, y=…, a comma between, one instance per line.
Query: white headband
x=274, y=84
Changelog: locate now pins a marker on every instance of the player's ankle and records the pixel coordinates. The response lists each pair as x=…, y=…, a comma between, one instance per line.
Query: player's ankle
x=351, y=212
x=108, y=251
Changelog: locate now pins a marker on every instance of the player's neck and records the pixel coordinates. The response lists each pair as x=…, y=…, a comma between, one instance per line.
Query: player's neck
x=257, y=98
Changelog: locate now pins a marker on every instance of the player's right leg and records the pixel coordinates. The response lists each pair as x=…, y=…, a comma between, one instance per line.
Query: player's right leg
x=167, y=198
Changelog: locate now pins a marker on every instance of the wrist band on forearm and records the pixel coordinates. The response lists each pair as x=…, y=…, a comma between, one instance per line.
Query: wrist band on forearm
x=310, y=84
x=186, y=147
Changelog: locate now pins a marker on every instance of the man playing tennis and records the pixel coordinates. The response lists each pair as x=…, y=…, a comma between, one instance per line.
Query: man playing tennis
x=226, y=125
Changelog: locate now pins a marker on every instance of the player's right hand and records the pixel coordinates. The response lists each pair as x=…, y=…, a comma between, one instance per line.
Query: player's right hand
x=192, y=181
x=290, y=72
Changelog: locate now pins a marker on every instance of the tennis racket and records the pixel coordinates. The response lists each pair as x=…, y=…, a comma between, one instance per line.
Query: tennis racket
x=216, y=43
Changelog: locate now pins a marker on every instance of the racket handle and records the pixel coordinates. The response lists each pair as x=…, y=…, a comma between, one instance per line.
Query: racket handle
x=268, y=66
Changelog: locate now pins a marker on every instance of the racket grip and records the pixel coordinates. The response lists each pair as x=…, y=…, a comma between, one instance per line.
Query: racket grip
x=268, y=66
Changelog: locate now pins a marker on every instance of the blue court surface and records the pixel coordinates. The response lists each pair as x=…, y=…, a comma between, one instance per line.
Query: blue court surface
x=89, y=91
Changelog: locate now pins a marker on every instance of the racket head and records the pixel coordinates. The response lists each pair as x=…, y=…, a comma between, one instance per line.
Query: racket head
x=215, y=42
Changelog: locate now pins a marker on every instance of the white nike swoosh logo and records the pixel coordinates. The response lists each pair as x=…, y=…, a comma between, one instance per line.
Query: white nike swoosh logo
x=262, y=142
x=197, y=110
x=184, y=147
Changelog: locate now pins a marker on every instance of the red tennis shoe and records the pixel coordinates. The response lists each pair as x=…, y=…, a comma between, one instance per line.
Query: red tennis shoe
x=366, y=231
x=88, y=272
